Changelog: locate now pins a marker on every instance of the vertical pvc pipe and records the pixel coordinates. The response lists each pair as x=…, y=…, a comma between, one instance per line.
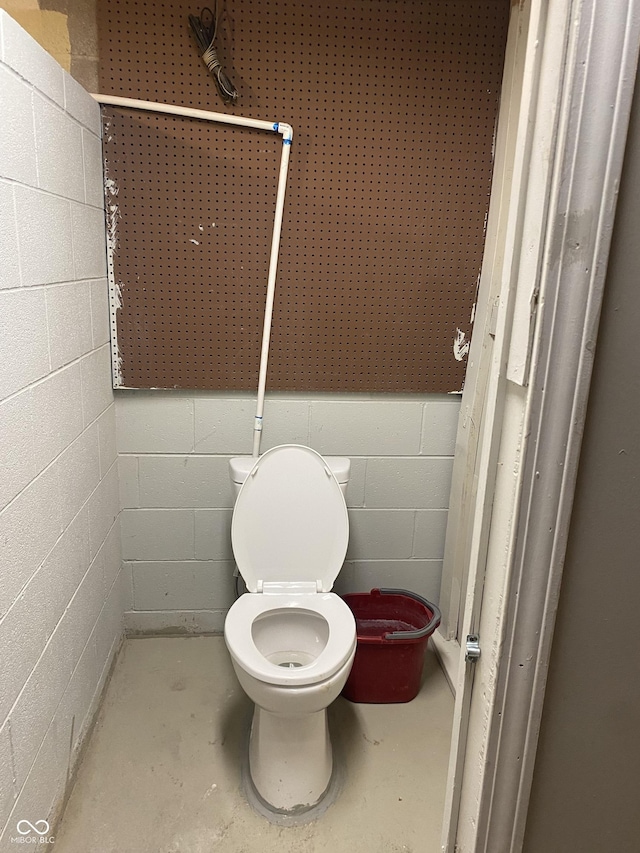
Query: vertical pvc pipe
x=287, y=137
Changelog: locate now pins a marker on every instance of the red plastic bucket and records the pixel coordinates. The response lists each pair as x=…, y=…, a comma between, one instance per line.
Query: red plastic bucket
x=394, y=626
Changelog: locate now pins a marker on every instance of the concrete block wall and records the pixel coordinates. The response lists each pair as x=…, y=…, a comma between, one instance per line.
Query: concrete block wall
x=176, y=497
x=61, y=590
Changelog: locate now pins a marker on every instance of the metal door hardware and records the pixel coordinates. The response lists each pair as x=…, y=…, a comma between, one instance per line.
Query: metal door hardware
x=472, y=648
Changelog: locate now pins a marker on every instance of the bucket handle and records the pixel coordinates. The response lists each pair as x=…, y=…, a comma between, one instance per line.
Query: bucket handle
x=421, y=632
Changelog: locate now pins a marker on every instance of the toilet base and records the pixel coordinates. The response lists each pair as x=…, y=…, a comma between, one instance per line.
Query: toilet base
x=290, y=759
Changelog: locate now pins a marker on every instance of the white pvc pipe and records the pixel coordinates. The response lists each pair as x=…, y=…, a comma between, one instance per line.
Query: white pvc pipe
x=287, y=137
x=187, y=112
x=271, y=285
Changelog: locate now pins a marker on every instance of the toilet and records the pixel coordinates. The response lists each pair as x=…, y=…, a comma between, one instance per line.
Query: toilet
x=292, y=641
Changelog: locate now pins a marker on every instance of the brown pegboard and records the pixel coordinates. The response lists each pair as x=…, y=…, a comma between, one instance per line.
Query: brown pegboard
x=393, y=104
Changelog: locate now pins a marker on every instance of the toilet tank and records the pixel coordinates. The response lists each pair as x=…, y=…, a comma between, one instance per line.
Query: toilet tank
x=240, y=466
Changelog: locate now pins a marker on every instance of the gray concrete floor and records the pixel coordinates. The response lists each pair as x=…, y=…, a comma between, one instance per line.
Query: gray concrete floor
x=161, y=773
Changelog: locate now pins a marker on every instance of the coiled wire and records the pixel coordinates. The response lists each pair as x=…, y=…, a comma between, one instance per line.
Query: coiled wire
x=204, y=30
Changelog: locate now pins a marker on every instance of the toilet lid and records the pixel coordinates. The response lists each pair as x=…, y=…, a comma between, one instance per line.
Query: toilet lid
x=290, y=520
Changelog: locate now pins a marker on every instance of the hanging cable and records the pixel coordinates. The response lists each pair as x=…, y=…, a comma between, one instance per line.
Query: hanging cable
x=204, y=30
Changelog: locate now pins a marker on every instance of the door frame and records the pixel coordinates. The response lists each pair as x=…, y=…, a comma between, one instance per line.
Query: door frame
x=530, y=391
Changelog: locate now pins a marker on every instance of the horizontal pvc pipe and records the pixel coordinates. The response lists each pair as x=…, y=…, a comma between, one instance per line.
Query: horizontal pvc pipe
x=186, y=112
x=287, y=137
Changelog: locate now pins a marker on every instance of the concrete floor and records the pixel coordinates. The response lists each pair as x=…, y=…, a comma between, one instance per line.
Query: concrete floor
x=161, y=773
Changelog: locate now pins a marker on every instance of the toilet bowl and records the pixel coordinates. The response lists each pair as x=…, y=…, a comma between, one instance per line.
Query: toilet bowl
x=292, y=641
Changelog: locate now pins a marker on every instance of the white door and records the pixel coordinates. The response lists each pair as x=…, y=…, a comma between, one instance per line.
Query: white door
x=569, y=76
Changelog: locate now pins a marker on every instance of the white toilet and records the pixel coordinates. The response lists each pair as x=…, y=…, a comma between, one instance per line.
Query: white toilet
x=292, y=641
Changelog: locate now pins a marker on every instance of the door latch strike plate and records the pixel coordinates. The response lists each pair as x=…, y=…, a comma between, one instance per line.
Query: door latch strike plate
x=472, y=649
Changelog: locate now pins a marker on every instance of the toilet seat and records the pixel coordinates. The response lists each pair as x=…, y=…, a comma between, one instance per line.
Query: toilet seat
x=289, y=535
x=339, y=647
x=290, y=522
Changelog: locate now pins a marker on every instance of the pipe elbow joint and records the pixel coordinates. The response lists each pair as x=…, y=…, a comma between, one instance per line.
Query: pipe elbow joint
x=287, y=132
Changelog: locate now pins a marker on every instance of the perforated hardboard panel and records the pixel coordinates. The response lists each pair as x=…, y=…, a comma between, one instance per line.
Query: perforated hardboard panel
x=393, y=104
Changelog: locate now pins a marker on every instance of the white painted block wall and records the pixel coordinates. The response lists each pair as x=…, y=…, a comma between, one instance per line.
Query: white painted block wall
x=61, y=590
x=176, y=497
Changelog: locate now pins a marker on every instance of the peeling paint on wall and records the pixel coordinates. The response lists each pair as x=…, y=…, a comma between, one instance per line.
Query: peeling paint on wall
x=112, y=213
x=460, y=345
x=115, y=303
x=118, y=379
